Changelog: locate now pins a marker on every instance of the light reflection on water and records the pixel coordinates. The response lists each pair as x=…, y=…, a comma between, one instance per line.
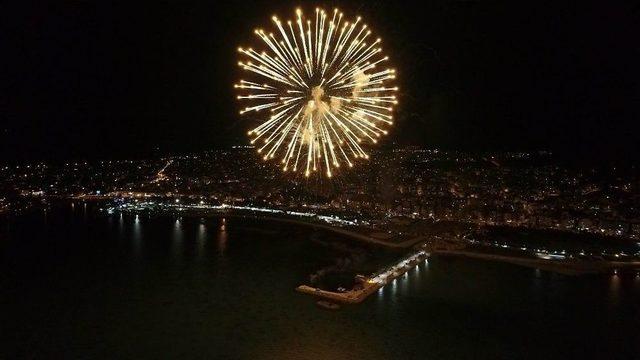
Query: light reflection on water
x=177, y=245
x=614, y=289
x=120, y=223
x=137, y=236
x=404, y=284
x=201, y=239
x=222, y=237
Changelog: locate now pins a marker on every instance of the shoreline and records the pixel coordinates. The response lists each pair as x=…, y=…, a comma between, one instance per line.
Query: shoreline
x=562, y=267
x=566, y=267
x=407, y=244
x=573, y=268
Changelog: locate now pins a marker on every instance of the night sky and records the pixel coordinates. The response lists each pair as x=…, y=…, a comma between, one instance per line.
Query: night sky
x=83, y=80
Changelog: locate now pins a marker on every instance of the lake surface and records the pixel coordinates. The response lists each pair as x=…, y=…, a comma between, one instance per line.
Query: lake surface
x=76, y=283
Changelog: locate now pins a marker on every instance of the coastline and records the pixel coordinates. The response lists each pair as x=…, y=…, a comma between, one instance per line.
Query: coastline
x=564, y=267
x=338, y=230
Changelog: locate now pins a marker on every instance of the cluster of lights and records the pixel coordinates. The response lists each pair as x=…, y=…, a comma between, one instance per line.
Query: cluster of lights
x=549, y=254
x=329, y=219
x=402, y=266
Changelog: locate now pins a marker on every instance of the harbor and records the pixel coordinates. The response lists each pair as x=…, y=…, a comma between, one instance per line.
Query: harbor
x=366, y=286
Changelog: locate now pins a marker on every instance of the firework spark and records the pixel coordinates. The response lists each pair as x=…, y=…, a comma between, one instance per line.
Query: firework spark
x=321, y=91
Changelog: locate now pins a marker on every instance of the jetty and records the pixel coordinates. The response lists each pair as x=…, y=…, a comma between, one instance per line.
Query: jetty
x=366, y=286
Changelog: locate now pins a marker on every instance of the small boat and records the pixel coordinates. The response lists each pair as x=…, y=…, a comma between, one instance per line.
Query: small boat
x=328, y=305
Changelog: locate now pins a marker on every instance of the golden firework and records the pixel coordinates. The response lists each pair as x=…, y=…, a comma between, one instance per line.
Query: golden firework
x=321, y=91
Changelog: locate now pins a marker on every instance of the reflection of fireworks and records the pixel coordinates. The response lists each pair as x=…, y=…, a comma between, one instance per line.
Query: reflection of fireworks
x=320, y=84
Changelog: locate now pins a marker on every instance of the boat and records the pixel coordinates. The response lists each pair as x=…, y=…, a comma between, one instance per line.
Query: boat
x=328, y=305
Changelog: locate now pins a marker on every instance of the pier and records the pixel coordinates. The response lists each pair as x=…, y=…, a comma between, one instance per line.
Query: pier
x=368, y=285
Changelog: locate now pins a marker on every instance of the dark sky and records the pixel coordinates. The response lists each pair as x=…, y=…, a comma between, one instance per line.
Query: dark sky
x=87, y=80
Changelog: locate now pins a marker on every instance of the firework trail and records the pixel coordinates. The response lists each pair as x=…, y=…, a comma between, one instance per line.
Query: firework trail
x=320, y=89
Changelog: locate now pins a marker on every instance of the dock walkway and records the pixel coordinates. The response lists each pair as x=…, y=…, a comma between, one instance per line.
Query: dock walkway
x=369, y=285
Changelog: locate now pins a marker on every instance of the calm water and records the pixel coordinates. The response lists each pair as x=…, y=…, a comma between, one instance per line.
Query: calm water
x=77, y=284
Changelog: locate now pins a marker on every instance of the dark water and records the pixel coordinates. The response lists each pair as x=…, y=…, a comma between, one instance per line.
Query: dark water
x=75, y=284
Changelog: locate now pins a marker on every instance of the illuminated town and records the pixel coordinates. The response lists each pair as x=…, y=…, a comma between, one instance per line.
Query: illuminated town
x=511, y=189
x=478, y=205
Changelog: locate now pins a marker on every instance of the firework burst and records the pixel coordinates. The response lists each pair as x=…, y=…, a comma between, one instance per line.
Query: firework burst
x=319, y=86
